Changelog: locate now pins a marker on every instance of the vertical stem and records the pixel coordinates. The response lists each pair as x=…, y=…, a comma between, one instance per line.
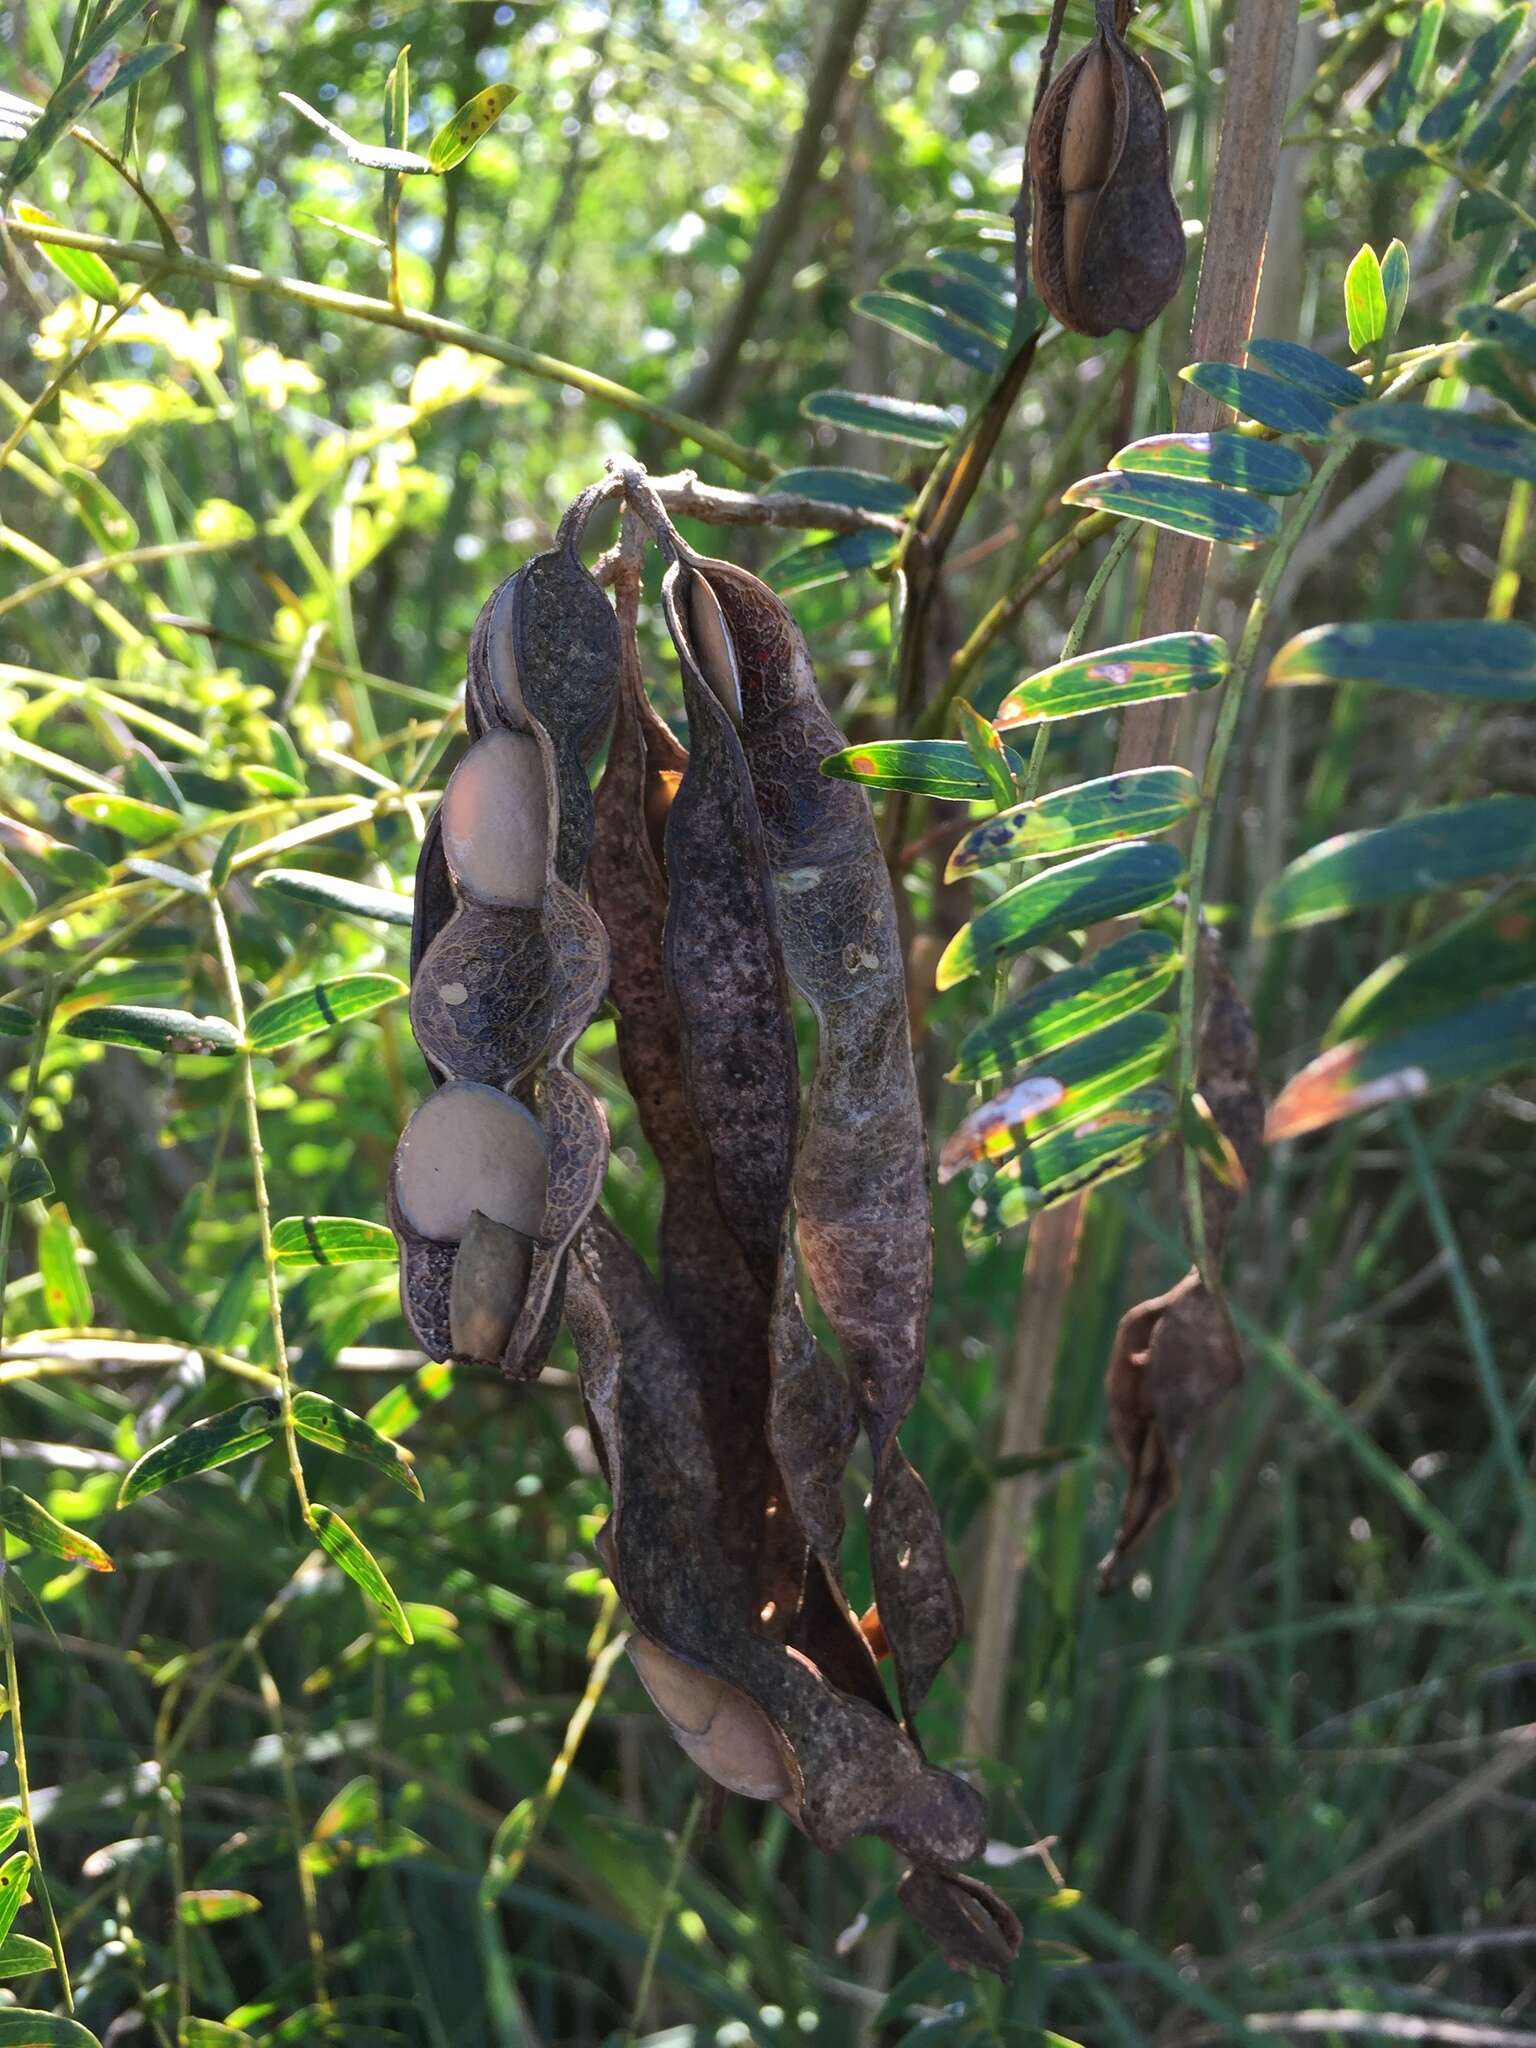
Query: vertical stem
x=663, y=1917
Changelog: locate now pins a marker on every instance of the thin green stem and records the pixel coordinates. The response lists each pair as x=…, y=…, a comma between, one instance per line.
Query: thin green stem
x=663, y=1919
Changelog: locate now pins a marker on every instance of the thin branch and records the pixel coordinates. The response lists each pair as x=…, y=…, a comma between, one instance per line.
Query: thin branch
x=683, y=494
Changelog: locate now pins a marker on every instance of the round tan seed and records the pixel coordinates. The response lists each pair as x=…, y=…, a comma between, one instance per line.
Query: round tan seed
x=470, y=1147
x=496, y=822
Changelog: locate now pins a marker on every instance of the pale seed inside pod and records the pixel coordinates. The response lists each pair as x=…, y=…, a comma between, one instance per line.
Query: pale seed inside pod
x=490, y=1278
x=495, y=815
x=725, y=1734
x=470, y=1147
x=1087, y=149
x=685, y=1698
x=713, y=646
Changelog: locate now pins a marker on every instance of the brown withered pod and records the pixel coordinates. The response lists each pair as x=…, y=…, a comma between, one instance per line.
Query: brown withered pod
x=1176, y=1357
x=705, y=890
x=1108, y=239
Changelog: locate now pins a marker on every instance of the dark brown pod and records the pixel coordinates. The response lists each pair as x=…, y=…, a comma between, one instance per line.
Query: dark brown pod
x=965, y=1919
x=1108, y=238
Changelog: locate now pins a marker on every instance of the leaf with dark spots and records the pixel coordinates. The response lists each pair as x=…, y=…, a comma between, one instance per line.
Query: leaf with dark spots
x=965, y=1920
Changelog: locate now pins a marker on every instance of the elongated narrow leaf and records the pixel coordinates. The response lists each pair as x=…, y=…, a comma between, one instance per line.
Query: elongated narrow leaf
x=1309, y=371
x=332, y=1241
x=1167, y=665
x=20, y=2029
x=1478, y=211
x=24, y=1178
x=31, y=1521
x=940, y=768
x=932, y=328
x=962, y=297
x=1132, y=805
x=18, y=899
x=1124, y=976
x=217, y=1440
x=1411, y=73
x=1456, y=106
x=331, y=892
x=346, y=1548
x=1287, y=408
x=15, y=1022
x=829, y=561
x=207, y=1908
x=21, y=1956
x=1498, y=446
x=1473, y=1044
x=1064, y=1087
x=1115, y=882
x=394, y=1413
x=1512, y=333
x=157, y=1031
x=196, y=2033
x=1493, y=948
x=458, y=136
x=1365, y=300
x=14, y=1874
x=87, y=83
x=1183, y=505
x=66, y=1291
x=892, y=419
x=988, y=752
x=81, y=267
x=857, y=487
x=1494, y=660
x=334, y=1428
x=1439, y=849
x=1227, y=457
x=137, y=821
x=1068, y=1163
x=1396, y=271
x=305, y=1011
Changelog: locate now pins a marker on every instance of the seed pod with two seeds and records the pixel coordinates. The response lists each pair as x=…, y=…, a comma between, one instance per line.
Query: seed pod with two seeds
x=1108, y=239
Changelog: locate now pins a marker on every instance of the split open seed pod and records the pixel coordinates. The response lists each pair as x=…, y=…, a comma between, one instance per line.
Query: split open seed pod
x=1108, y=238
x=729, y=1739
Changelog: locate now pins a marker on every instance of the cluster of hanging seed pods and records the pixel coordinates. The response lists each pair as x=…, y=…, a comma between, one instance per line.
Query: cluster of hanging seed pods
x=706, y=888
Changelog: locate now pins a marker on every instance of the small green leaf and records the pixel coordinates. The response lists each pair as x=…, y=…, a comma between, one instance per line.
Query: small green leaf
x=31, y=1521
x=15, y=1022
x=1286, y=408
x=217, y=1440
x=108, y=521
x=1494, y=660
x=397, y=100
x=988, y=752
x=1395, y=274
x=206, y=1908
x=20, y=2029
x=24, y=1178
x=1114, y=882
x=856, y=487
x=1389, y=159
x=1365, y=300
x=15, y=1872
x=1132, y=805
x=221, y=1325
x=349, y=1551
x=195, y=2033
x=157, y=1031
x=141, y=822
x=80, y=267
x=932, y=328
x=1227, y=457
x=892, y=419
x=66, y=1291
x=21, y=1956
x=1068, y=1163
x=364, y=153
x=224, y=859
x=1478, y=211
x=304, y=1011
x=1492, y=948
x=829, y=561
x=1474, y=1044
x=1456, y=106
x=1183, y=506
x=1501, y=448
x=1309, y=371
x=1167, y=665
x=1415, y=60
x=11, y=1824
x=394, y=1412
x=937, y=768
x=964, y=298
x=18, y=899
x=331, y=1241
x=1209, y=1142
x=1124, y=976
x=1513, y=333
x=332, y=892
x=1439, y=849
x=334, y=1428
x=453, y=142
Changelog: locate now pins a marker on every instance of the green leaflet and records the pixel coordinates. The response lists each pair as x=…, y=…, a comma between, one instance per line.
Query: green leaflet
x=829, y=561
x=857, y=487
x=1068, y=1162
x=1395, y=278
x=83, y=269
x=331, y=892
x=334, y=1428
x=1228, y=457
x=1165, y=666
x=978, y=305
x=31, y=1521
x=206, y=1908
x=151, y=1030
x=344, y=1547
x=1456, y=106
x=1494, y=835
x=892, y=419
x=459, y=134
x=1122, y=977
x=1500, y=447
x=66, y=1291
x=1474, y=1044
x=1488, y=659
x=941, y=768
x=394, y=1412
x=21, y=1956
x=1309, y=371
x=1492, y=948
x=195, y=2033
x=217, y=1440
x=304, y=1011
x=992, y=277
x=1415, y=62
x=14, y=1873
x=1132, y=805
x=1287, y=408
x=20, y=2029
x=1063, y=1088
x=934, y=329
x=143, y=823
x=988, y=752
x=332, y=1241
x=1365, y=300
x=1183, y=505
x=1114, y=882
x=15, y=1022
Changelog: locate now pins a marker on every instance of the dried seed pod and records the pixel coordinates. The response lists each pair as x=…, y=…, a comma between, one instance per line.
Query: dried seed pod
x=968, y=1922
x=1108, y=239
x=729, y=1739
x=577, y=1135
